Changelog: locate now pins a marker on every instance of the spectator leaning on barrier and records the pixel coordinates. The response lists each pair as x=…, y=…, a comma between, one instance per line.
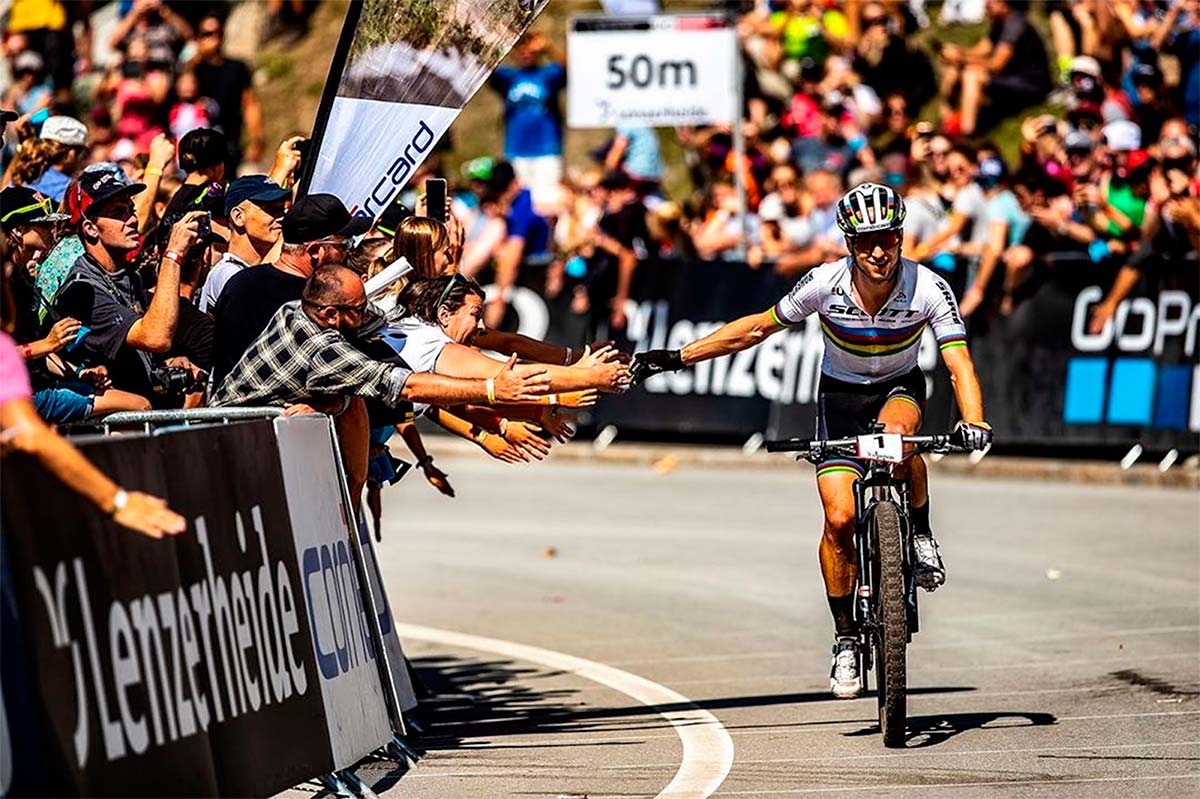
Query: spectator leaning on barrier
x=125, y=332
x=304, y=356
x=314, y=232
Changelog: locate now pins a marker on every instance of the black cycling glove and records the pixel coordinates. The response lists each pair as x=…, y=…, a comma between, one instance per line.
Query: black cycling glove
x=653, y=362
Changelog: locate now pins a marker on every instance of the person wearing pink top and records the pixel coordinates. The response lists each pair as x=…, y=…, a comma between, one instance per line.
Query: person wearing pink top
x=23, y=430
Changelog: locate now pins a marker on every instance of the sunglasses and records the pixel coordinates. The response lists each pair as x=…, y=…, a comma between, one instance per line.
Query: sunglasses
x=44, y=205
x=455, y=280
x=1181, y=164
x=209, y=34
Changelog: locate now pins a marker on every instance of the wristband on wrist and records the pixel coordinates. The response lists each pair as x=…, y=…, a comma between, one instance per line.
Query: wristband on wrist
x=551, y=399
x=26, y=352
x=120, y=500
x=478, y=434
x=569, y=356
x=153, y=171
x=426, y=461
x=491, y=390
x=172, y=255
x=504, y=427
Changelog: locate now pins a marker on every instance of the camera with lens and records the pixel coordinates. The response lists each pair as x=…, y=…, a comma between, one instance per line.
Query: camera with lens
x=174, y=381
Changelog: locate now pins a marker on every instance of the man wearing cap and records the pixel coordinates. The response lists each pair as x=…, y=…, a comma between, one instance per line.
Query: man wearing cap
x=254, y=207
x=72, y=135
x=1119, y=209
x=126, y=333
x=315, y=232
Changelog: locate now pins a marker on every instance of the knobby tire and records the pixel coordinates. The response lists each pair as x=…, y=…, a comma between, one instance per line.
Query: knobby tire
x=891, y=635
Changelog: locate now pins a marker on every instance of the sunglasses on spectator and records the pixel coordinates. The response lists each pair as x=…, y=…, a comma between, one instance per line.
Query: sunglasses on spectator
x=120, y=212
x=45, y=205
x=1181, y=164
x=869, y=22
x=455, y=280
x=209, y=33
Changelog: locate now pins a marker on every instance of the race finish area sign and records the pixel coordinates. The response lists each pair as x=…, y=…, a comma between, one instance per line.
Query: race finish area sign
x=656, y=71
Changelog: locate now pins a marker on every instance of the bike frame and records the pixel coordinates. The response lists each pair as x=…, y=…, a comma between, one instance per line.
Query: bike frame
x=879, y=484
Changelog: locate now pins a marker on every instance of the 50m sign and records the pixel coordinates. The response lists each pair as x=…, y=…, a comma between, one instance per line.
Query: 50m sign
x=651, y=71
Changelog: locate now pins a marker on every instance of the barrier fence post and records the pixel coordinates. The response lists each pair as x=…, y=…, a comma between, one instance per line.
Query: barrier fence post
x=390, y=693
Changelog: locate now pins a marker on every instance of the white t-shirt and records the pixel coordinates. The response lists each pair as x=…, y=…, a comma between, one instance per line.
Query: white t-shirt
x=218, y=276
x=866, y=349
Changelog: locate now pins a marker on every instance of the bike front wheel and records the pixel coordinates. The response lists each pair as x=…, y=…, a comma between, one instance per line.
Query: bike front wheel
x=891, y=633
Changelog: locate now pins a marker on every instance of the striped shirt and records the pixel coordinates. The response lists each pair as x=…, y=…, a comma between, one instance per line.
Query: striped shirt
x=865, y=349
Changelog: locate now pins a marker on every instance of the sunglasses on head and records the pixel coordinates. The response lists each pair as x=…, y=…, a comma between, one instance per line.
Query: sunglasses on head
x=45, y=206
x=455, y=280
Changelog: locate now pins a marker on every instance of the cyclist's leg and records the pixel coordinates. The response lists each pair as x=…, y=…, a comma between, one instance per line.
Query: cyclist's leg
x=839, y=562
x=902, y=414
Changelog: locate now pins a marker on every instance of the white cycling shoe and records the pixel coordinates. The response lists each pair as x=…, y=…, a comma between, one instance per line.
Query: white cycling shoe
x=929, y=571
x=844, y=678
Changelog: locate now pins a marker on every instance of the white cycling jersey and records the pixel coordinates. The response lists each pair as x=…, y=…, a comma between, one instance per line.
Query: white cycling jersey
x=867, y=349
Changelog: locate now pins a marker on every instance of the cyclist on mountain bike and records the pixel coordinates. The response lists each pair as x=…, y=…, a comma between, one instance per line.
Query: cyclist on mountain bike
x=873, y=306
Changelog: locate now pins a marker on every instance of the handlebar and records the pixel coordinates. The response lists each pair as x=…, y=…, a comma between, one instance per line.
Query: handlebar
x=819, y=448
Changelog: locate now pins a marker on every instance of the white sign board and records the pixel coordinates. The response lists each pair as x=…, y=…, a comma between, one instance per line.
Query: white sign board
x=655, y=71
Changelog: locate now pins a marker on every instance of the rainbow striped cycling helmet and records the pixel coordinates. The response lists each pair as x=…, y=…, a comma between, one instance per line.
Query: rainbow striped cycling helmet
x=869, y=208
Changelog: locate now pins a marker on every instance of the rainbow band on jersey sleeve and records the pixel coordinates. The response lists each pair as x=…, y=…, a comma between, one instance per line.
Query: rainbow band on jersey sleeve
x=872, y=342
x=952, y=340
x=778, y=317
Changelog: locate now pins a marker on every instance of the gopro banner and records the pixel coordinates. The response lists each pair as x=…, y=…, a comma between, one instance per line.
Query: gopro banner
x=182, y=666
x=652, y=71
x=402, y=72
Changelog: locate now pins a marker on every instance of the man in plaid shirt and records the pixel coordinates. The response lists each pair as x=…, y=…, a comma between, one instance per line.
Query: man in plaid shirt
x=304, y=357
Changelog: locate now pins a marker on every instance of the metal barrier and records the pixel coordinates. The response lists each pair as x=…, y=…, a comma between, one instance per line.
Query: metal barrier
x=343, y=782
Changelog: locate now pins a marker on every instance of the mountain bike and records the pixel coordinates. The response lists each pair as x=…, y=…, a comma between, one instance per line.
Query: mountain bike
x=886, y=588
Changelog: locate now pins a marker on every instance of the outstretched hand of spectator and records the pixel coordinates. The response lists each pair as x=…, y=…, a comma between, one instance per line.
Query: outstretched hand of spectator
x=612, y=373
x=579, y=399
x=98, y=377
x=438, y=479
x=559, y=424
x=149, y=516
x=501, y=450
x=525, y=436
x=521, y=383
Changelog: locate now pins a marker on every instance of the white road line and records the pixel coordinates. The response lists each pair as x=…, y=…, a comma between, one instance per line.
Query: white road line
x=707, y=747
x=1017, y=782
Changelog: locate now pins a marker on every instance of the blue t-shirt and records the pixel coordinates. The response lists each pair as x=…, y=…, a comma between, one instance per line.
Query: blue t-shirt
x=523, y=221
x=53, y=183
x=642, y=156
x=532, y=117
x=1004, y=207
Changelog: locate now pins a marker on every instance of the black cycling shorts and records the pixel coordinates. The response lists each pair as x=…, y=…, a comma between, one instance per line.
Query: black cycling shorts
x=849, y=409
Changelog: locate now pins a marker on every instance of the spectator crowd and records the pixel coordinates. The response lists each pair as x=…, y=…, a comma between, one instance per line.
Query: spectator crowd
x=147, y=264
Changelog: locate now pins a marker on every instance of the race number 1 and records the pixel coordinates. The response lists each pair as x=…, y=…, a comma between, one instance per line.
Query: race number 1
x=886, y=447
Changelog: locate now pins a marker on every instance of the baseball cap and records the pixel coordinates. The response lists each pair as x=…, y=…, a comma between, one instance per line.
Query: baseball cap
x=1147, y=75
x=1078, y=141
x=1085, y=65
x=67, y=130
x=255, y=188
x=319, y=216
x=21, y=205
x=96, y=184
x=389, y=221
x=1122, y=135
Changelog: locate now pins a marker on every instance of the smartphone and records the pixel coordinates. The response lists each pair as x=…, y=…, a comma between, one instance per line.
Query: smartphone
x=435, y=198
x=204, y=228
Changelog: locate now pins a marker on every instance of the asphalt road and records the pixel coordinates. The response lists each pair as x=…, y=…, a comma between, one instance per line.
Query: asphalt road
x=1060, y=659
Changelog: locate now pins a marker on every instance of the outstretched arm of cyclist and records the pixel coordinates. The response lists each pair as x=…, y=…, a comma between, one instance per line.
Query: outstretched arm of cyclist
x=976, y=431
x=731, y=337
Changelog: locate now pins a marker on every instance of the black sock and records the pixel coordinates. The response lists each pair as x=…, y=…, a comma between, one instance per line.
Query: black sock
x=920, y=519
x=842, y=608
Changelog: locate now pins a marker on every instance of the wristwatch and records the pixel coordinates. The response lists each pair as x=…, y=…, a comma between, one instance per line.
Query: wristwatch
x=120, y=500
